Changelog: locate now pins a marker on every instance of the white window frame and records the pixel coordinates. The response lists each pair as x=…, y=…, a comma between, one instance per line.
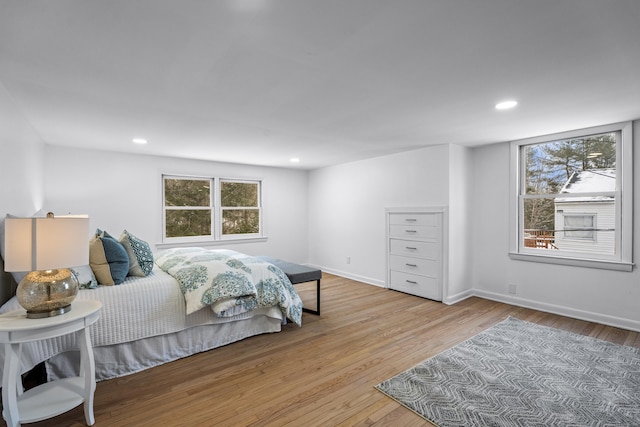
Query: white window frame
x=622, y=259
x=189, y=239
x=221, y=208
x=216, y=237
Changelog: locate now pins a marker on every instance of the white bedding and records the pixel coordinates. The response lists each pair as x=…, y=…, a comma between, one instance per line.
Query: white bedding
x=221, y=276
x=139, y=309
x=127, y=358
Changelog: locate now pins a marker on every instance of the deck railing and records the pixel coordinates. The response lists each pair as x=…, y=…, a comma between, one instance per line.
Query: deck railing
x=541, y=239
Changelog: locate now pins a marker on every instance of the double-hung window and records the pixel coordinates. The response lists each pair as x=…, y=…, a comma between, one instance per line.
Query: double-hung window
x=571, y=198
x=209, y=209
x=241, y=207
x=188, y=207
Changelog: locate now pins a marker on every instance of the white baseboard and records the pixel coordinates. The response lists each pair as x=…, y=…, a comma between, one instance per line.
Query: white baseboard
x=351, y=276
x=604, y=319
x=452, y=299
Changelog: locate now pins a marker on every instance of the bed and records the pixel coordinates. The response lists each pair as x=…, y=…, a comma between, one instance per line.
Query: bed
x=173, y=312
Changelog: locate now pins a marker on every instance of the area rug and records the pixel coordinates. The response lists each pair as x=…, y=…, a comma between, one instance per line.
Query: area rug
x=518, y=373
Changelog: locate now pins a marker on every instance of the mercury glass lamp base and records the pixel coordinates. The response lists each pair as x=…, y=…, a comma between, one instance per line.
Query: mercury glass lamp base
x=47, y=293
x=48, y=313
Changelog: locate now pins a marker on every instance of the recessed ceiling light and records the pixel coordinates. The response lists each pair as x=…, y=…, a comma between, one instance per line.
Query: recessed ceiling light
x=139, y=140
x=294, y=160
x=505, y=105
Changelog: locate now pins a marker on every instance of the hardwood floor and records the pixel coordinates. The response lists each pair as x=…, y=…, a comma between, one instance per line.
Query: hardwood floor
x=322, y=374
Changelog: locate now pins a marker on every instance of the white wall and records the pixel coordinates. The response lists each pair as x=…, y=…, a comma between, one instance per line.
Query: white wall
x=459, y=280
x=21, y=177
x=605, y=296
x=124, y=191
x=347, y=208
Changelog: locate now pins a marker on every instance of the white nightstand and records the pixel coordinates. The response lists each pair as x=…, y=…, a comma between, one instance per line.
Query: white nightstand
x=52, y=398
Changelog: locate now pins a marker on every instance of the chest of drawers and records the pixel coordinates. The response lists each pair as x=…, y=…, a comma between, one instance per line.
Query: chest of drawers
x=414, y=251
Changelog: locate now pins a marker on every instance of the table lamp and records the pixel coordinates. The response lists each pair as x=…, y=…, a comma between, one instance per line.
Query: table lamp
x=46, y=247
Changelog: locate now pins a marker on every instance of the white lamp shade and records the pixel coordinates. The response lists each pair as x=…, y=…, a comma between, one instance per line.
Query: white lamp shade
x=46, y=243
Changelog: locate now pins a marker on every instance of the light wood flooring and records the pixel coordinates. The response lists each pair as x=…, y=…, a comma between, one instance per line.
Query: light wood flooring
x=322, y=374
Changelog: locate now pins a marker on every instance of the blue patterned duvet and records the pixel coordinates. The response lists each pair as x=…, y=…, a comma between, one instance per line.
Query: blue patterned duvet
x=229, y=282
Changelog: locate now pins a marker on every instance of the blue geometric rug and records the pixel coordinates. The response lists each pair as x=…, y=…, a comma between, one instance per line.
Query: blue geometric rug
x=518, y=373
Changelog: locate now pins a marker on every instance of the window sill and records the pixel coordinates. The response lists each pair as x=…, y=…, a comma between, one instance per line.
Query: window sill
x=206, y=243
x=575, y=262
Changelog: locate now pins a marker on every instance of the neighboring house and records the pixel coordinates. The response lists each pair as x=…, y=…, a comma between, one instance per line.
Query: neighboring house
x=587, y=224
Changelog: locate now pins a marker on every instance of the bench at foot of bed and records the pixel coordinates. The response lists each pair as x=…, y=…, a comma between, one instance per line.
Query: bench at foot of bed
x=298, y=273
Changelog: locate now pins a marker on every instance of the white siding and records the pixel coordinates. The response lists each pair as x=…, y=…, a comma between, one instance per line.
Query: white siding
x=604, y=242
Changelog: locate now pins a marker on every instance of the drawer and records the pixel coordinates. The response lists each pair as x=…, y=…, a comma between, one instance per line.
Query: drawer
x=413, y=219
x=413, y=248
x=422, y=286
x=412, y=231
x=427, y=267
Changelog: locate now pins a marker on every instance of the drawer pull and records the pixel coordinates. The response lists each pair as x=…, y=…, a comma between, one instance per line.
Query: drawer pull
x=410, y=265
x=411, y=219
x=411, y=231
x=410, y=248
x=412, y=282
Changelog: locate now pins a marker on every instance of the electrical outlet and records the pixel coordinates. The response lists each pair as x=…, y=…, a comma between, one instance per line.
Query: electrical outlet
x=512, y=289
x=348, y=260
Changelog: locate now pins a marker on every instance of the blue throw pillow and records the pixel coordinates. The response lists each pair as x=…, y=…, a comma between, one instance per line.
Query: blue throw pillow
x=117, y=257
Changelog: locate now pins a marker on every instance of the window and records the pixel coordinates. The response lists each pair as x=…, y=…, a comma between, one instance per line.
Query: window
x=188, y=207
x=580, y=227
x=240, y=203
x=198, y=209
x=571, y=198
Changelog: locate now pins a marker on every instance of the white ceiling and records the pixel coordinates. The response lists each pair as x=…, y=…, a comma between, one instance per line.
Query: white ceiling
x=260, y=81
